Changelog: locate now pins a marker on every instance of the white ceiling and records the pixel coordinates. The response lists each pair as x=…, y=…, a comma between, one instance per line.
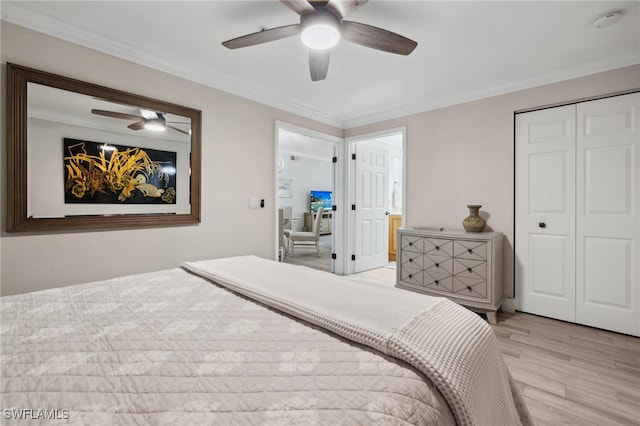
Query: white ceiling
x=466, y=50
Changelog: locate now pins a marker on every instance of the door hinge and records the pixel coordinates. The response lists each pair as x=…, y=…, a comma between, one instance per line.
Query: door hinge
x=353, y=257
x=353, y=156
x=334, y=159
x=353, y=206
x=334, y=256
x=334, y=208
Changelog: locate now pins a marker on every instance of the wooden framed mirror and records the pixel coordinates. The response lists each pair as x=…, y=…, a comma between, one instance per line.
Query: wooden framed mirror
x=83, y=156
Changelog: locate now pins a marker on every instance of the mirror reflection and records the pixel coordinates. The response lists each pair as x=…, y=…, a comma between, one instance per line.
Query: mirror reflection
x=83, y=156
x=105, y=157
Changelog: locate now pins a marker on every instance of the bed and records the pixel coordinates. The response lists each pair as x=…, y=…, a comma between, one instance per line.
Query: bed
x=245, y=340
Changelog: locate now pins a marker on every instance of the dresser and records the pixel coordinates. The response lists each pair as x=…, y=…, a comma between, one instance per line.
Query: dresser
x=465, y=267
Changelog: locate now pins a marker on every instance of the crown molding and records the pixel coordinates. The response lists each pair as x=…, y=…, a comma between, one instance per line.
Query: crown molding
x=562, y=74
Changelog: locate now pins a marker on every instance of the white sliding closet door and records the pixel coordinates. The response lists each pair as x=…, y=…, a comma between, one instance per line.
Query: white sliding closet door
x=607, y=219
x=545, y=212
x=577, y=213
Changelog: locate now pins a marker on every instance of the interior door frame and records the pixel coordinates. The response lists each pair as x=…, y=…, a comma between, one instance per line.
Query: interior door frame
x=350, y=149
x=338, y=228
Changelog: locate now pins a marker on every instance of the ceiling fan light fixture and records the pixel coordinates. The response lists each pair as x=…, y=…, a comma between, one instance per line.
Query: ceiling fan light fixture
x=607, y=18
x=155, y=124
x=320, y=30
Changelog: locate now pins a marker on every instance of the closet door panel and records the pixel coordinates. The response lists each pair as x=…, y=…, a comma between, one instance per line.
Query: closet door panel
x=607, y=219
x=607, y=272
x=545, y=211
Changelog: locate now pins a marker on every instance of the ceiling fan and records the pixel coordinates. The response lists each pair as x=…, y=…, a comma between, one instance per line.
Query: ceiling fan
x=321, y=27
x=147, y=119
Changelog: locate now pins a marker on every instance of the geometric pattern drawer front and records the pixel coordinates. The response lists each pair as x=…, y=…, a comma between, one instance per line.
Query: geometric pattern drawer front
x=439, y=269
x=413, y=260
x=412, y=244
x=444, y=284
x=438, y=248
x=470, y=268
x=412, y=276
x=470, y=286
x=476, y=250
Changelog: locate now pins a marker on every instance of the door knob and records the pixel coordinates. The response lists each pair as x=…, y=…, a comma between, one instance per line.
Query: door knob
x=542, y=225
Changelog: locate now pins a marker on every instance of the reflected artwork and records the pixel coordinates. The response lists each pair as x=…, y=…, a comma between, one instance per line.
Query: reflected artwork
x=115, y=174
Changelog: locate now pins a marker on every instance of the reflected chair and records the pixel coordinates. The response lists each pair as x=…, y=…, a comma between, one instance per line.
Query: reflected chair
x=287, y=212
x=282, y=249
x=309, y=238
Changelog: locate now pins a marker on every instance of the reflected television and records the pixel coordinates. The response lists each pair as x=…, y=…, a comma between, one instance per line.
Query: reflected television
x=320, y=199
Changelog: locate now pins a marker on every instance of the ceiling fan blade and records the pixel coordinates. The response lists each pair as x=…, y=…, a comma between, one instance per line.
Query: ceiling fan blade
x=263, y=36
x=114, y=114
x=136, y=126
x=179, y=130
x=318, y=64
x=377, y=38
x=301, y=7
x=341, y=8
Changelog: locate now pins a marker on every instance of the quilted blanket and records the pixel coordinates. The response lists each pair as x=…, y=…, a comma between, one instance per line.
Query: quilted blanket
x=446, y=342
x=172, y=348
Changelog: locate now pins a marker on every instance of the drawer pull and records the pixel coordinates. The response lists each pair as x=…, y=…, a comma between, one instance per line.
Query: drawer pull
x=437, y=265
x=437, y=282
x=470, y=270
x=410, y=244
x=410, y=276
x=437, y=247
x=469, y=288
x=410, y=260
x=470, y=251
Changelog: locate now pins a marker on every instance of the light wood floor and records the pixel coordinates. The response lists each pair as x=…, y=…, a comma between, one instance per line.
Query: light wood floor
x=571, y=374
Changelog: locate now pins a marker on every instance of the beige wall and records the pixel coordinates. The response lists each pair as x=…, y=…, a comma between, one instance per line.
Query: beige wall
x=464, y=154
x=238, y=162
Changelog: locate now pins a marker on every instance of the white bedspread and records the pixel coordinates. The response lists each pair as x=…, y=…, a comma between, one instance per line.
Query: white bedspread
x=171, y=348
x=449, y=344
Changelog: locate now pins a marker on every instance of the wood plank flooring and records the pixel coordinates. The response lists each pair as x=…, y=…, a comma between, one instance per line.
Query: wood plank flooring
x=571, y=374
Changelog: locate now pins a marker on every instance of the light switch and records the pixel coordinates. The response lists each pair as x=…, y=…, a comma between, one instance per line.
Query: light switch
x=255, y=202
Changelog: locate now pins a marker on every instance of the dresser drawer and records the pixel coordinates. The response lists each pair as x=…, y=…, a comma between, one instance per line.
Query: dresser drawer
x=470, y=288
x=411, y=244
x=470, y=249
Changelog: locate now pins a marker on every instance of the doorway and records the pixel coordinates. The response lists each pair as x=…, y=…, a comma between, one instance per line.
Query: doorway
x=376, y=189
x=308, y=176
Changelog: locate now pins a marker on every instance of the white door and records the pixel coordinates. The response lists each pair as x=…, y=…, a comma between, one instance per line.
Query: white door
x=545, y=212
x=371, y=195
x=578, y=213
x=607, y=213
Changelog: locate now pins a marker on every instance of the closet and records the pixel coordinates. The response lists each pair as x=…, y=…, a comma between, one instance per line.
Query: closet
x=577, y=233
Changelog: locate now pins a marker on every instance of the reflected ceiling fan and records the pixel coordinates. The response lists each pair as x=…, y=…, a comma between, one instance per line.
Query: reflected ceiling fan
x=321, y=27
x=147, y=119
